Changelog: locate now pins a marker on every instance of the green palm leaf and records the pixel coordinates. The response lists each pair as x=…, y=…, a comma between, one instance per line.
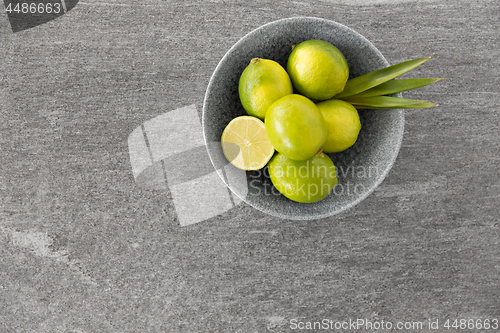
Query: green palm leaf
x=394, y=86
x=386, y=102
x=364, y=82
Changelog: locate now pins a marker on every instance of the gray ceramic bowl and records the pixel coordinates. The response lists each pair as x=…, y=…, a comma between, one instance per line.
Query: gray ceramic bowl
x=360, y=169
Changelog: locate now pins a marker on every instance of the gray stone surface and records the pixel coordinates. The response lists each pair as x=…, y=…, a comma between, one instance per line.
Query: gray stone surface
x=84, y=249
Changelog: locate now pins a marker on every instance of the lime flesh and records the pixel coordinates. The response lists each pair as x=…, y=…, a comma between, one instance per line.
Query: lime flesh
x=245, y=143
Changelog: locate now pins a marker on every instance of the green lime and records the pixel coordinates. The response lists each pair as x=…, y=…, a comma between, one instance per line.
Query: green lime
x=342, y=122
x=262, y=82
x=296, y=127
x=318, y=70
x=303, y=181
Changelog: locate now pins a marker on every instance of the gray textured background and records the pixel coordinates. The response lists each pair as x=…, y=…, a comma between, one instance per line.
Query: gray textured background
x=83, y=249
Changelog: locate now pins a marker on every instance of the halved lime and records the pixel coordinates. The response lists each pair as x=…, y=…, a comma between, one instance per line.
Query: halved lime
x=245, y=143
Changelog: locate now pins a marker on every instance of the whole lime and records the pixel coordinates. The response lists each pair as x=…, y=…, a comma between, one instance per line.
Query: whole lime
x=295, y=127
x=262, y=82
x=317, y=69
x=342, y=122
x=303, y=181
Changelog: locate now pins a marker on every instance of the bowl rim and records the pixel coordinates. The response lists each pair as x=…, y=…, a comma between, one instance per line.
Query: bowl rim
x=381, y=176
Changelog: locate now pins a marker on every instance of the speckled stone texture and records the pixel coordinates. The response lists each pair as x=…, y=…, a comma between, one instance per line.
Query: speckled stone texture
x=83, y=249
x=360, y=169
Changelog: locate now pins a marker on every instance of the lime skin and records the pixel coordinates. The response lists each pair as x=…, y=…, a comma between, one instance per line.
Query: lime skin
x=343, y=124
x=303, y=181
x=296, y=127
x=318, y=69
x=262, y=82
